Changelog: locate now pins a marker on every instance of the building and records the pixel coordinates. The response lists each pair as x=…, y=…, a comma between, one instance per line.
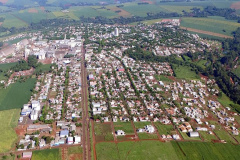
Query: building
x=149, y=128
x=64, y=133
x=34, y=115
x=27, y=155
x=120, y=133
x=70, y=140
x=193, y=134
x=116, y=32
x=77, y=139
x=36, y=105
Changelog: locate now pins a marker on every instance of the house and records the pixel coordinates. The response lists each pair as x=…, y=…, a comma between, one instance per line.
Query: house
x=20, y=120
x=120, y=133
x=176, y=137
x=77, y=139
x=140, y=130
x=149, y=128
x=42, y=143
x=193, y=134
x=70, y=140
x=64, y=133
x=27, y=155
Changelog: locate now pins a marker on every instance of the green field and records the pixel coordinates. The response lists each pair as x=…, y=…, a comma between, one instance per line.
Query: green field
x=207, y=137
x=8, y=136
x=184, y=72
x=206, y=150
x=162, y=78
x=125, y=126
x=46, y=154
x=103, y=132
x=225, y=100
x=168, y=151
x=43, y=68
x=75, y=150
x=211, y=24
x=12, y=21
x=17, y=94
x=164, y=129
x=135, y=151
x=5, y=67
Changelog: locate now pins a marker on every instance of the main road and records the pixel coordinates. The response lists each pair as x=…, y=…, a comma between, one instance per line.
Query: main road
x=85, y=114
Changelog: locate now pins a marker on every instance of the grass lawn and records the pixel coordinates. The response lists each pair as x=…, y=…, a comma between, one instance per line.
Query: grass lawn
x=5, y=67
x=20, y=92
x=206, y=150
x=8, y=136
x=136, y=151
x=164, y=129
x=125, y=126
x=43, y=68
x=74, y=150
x=206, y=136
x=237, y=71
x=222, y=133
x=186, y=137
x=147, y=136
x=202, y=63
x=46, y=154
x=162, y=78
x=103, y=132
x=225, y=100
x=141, y=124
x=185, y=72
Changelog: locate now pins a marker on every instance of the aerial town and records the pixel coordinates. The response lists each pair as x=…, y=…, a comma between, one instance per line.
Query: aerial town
x=134, y=99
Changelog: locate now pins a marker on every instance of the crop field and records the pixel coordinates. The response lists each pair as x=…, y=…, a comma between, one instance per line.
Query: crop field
x=164, y=129
x=142, y=10
x=8, y=136
x=125, y=126
x=135, y=151
x=103, y=132
x=20, y=92
x=178, y=9
x=219, y=4
x=11, y=20
x=46, y=154
x=5, y=67
x=206, y=150
x=184, y=72
x=211, y=24
x=69, y=15
x=121, y=13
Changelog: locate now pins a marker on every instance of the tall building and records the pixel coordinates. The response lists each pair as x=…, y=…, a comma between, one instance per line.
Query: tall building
x=116, y=32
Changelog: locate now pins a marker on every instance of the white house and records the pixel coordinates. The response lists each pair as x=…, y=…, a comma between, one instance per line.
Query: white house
x=77, y=139
x=120, y=133
x=149, y=128
x=193, y=134
x=70, y=140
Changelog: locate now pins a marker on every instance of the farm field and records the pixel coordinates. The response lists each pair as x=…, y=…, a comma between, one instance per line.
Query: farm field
x=142, y=10
x=8, y=136
x=136, y=151
x=11, y=20
x=125, y=126
x=210, y=24
x=5, y=67
x=184, y=72
x=206, y=150
x=103, y=132
x=46, y=154
x=20, y=92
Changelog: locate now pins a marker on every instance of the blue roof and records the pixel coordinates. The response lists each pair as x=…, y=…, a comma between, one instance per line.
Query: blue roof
x=64, y=133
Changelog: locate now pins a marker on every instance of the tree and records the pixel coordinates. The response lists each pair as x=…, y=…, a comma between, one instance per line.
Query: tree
x=32, y=61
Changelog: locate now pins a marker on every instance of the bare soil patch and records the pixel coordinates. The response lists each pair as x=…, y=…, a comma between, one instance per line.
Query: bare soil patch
x=32, y=10
x=75, y=157
x=235, y=5
x=207, y=32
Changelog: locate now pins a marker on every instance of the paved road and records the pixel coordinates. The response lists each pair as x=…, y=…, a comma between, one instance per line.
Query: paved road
x=85, y=116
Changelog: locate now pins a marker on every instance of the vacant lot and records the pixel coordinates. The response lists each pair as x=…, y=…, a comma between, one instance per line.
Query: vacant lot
x=184, y=72
x=75, y=153
x=46, y=154
x=8, y=136
x=17, y=94
x=207, y=137
x=164, y=129
x=125, y=126
x=135, y=151
x=103, y=132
